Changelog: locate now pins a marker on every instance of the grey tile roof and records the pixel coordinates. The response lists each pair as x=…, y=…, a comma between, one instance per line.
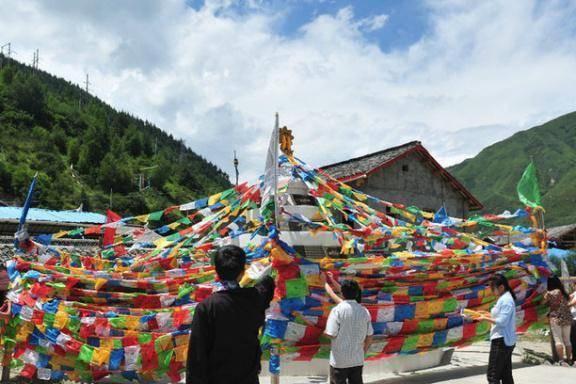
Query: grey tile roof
x=364, y=164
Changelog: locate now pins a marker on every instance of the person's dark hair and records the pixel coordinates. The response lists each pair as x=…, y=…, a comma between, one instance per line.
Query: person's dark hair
x=555, y=283
x=499, y=280
x=350, y=290
x=229, y=261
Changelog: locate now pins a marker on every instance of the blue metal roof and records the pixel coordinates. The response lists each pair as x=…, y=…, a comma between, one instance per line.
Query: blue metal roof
x=39, y=214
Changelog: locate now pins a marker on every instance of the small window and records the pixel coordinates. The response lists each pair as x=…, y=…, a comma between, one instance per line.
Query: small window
x=405, y=168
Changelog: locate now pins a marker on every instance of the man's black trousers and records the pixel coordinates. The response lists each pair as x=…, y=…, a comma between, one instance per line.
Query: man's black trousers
x=346, y=375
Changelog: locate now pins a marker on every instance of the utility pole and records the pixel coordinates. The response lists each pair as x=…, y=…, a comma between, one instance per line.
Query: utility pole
x=86, y=89
x=36, y=59
x=9, y=45
x=2, y=53
x=236, y=162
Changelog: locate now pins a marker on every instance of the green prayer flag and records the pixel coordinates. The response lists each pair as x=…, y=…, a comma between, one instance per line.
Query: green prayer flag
x=164, y=358
x=323, y=352
x=144, y=338
x=48, y=319
x=155, y=216
x=527, y=188
x=85, y=354
x=74, y=324
x=426, y=326
x=450, y=305
x=118, y=322
x=410, y=343
x=296, y=288
x=482, y=328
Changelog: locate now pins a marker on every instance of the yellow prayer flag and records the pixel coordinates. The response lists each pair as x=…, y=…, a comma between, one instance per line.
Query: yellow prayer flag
x=422, y=311
x=161, y=243
x=142, y=218
x=107, y=343
x=132, y=323
x=60, y=320
x=435, y=307
x=100, y=283
x=59, y=234
x=100, y=356
x=181, y=340
x=425, y=340
x=180, y=353
x=164, y=342
x=214, y=198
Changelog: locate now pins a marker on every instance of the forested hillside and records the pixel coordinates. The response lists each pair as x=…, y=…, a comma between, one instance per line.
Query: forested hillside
x=494, y=173
x=84, y=150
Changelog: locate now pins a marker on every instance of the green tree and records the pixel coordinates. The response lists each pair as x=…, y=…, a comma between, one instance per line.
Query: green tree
x=59, y=139
x=134, y=142
x=5, y=177
x=161, y=174
x=28, y=94
x=73, y=151
x=8, y=73
x=115, y=175
x=21, y=178
x=94, y=149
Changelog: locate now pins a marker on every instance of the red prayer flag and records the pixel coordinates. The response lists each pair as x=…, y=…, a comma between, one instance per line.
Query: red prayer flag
x=109, y=233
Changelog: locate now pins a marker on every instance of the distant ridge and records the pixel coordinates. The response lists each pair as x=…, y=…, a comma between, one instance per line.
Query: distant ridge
x=492, y=175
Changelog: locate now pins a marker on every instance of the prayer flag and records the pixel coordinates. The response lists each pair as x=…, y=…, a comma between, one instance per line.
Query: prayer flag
x=527, y=188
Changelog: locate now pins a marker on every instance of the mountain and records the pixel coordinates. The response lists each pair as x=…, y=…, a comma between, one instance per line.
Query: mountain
x=493, y=174
x=88, y=153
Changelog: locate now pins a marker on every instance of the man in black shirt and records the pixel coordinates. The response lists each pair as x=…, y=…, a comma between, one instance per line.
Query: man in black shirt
x=224, y=346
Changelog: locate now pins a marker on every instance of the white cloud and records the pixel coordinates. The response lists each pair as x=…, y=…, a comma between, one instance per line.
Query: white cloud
x=373, y=23
x=215, y=77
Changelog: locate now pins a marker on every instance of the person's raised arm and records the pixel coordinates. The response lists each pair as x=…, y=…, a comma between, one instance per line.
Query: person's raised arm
x=330, y=281
x=337, y=299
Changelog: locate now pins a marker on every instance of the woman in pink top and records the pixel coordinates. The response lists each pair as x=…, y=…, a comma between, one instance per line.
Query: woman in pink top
x=560, y=318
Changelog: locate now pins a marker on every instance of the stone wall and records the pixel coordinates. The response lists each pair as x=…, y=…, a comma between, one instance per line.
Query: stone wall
x=411, y=181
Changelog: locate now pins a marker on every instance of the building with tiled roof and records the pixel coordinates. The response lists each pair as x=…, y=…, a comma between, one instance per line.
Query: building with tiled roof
x=406, y=174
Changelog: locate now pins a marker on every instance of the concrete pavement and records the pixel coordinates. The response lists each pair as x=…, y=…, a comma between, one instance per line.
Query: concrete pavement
x=468, y=366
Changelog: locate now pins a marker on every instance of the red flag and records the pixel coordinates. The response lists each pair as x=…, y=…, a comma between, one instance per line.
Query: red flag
x=109, y=233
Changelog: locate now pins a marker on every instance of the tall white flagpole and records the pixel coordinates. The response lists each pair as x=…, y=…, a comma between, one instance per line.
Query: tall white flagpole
x=276, y=145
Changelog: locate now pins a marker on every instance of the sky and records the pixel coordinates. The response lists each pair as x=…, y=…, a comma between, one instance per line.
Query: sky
x=348, y=77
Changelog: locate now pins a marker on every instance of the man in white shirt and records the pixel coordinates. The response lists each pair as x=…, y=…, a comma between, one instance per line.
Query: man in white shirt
x=350, y=328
